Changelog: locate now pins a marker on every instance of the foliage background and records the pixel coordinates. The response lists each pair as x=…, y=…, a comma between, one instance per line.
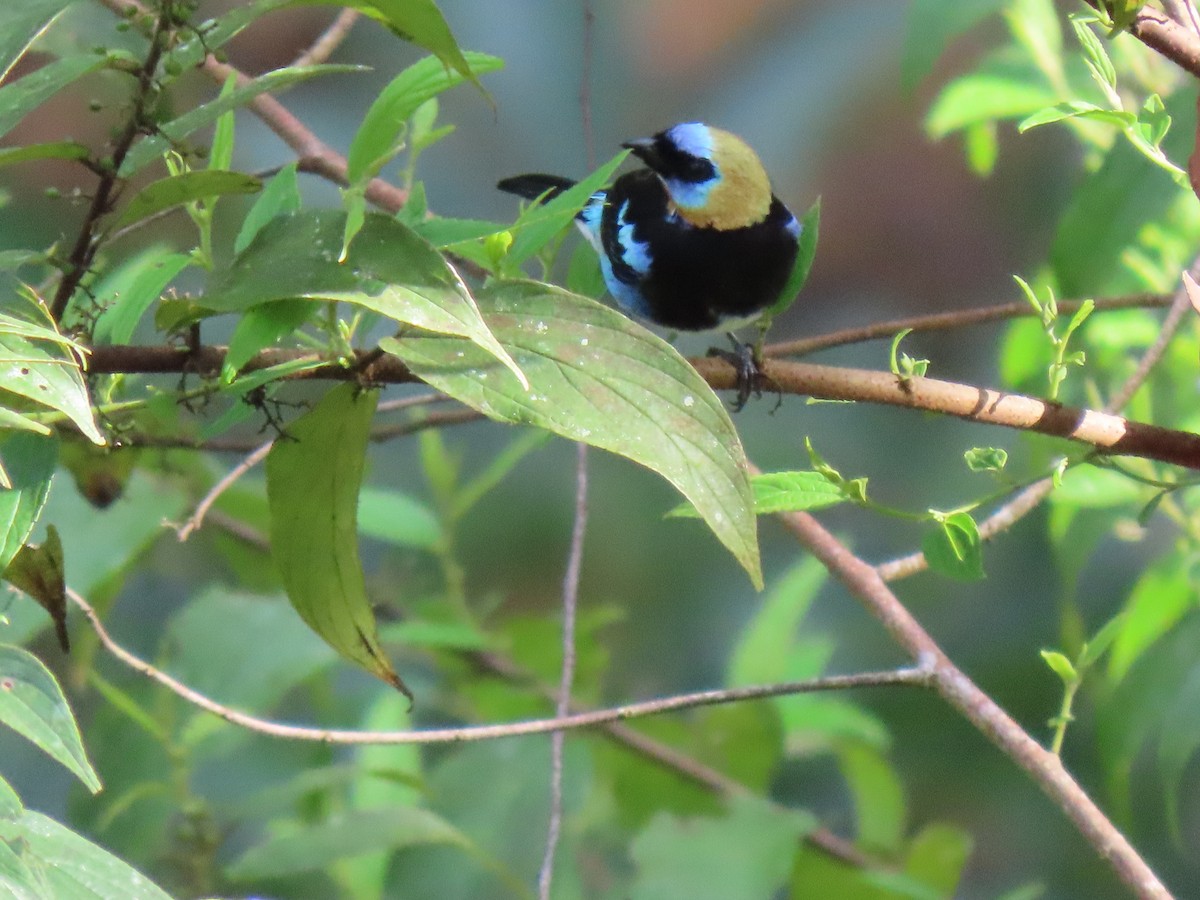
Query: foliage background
x=906, y=228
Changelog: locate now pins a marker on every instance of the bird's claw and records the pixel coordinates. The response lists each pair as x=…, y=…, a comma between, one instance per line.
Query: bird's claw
x=751, y=379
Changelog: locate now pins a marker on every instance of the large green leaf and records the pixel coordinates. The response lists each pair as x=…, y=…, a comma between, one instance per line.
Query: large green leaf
x=600, y=378
x=313, y=478
x=125, y=294
x=389, y=270
x=21, y=24
x=348, y=835
x=177, y=190
x=745, y=855
x=26, y=94
x=29, y=461
x=1005, y=86
x=151, y=148
x=33, y=705
x=72, y=866
x=53, y=150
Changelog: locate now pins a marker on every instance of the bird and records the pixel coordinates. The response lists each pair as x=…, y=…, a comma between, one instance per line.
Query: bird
x=695, y=241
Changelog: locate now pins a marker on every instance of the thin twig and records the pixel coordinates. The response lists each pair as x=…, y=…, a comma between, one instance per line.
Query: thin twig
x=943, y=321
x=330, y=39
x=1046, y=769
x=562, y=705
x=196, y=519
x=910, y=677
x=86, y=244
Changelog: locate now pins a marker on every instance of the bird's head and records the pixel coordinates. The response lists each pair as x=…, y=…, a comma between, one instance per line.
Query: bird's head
x=715, y=180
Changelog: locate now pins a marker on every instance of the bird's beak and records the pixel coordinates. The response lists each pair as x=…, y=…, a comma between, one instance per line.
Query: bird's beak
x=643, y=149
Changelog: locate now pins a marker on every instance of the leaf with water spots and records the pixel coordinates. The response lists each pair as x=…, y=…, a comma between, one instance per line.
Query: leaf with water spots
x=596, y=376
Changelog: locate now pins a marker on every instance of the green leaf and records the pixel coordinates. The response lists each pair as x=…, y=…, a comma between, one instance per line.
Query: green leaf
x=1111, y=210
x=151, y=148
x=794, y=491
x=600, y=378
x=397, y=519
x=1061, y=666
x=1003, y=87
x=1101, y=641
x=10, y=802
x=1077, y=109
x=23, y=96
x=344, y=836
x=953, y=547
x=54, y=150
x=986, y=459
x=1100, y=64
x=930, y=26
x=312, y=486
x=1093, y=487
x=982, y=147
x=419, y=22
x=762, y=652
x=1178, y=743
x=541, y=222
x=241, y=649
x=126, y=294
x=1160, y=599
x=879, y=806
x=71, y=866
x=261, y=327
x=937, y=855
x=376, y=141
x=279, y=196
x=809, y=228
x=389, y=270
x=195, y=44
x=45, y=373
x=21, y=24
x=38, y=571
x=744, y=855
x=178, y=190
x=783, y=492
x=29, y=460
x=445, y=232
x=32, y=704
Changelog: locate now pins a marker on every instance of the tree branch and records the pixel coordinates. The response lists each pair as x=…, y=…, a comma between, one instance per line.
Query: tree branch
x=1046, y=769
x=908, y=677
x=1108, y=433
x=84, y=249
x=944, y=321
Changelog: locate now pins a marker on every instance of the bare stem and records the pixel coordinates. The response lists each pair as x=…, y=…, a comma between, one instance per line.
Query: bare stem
x=908, y=677
x=562, y=705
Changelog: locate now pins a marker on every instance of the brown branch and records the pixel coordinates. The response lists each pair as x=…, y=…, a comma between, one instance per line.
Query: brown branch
x=1108, y=433
x=1046, y=769
x=331, y=38
x=944, y=321
x=1159, y=32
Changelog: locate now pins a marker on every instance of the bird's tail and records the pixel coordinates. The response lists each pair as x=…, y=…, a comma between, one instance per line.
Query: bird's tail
x=533, y=186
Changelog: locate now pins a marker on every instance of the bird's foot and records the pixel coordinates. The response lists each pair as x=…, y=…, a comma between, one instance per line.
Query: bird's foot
x=751, y=379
